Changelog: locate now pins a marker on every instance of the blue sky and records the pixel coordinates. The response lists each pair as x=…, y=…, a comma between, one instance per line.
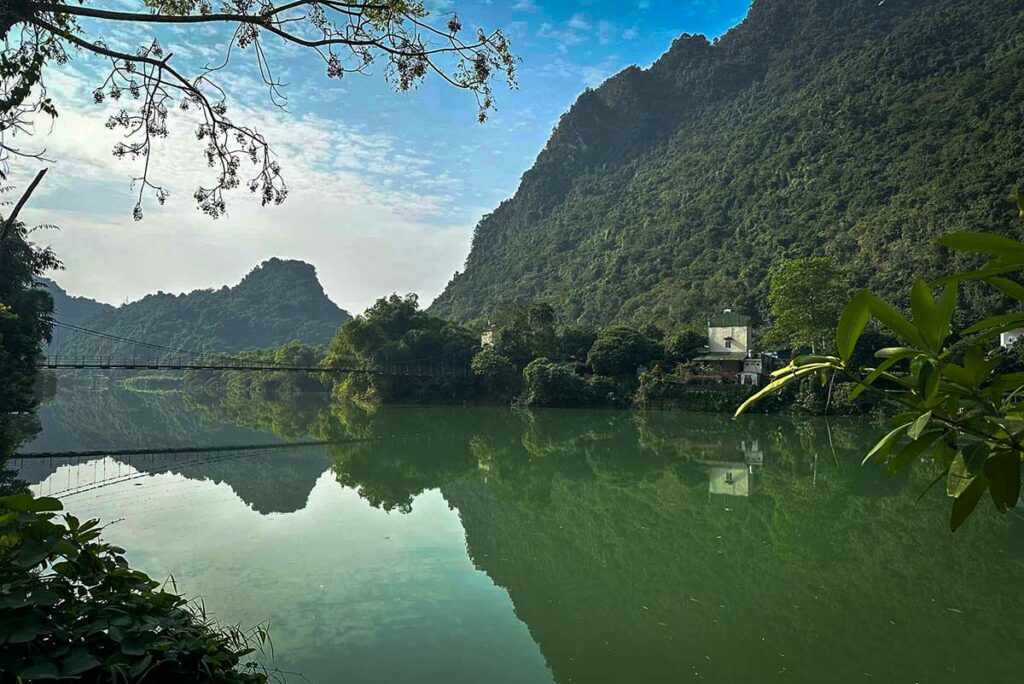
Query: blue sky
x=386, y=187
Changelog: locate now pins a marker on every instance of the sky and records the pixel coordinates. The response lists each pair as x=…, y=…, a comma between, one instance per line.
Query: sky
x=385, y=187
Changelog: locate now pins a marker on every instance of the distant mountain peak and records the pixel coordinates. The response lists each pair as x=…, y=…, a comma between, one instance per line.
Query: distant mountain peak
x=280, y=300
x=850, y=128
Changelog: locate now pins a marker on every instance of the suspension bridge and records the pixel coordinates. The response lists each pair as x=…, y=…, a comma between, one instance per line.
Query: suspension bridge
x=134, y=354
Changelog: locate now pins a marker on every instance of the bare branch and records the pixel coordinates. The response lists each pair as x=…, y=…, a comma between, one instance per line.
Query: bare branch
x=347, y=36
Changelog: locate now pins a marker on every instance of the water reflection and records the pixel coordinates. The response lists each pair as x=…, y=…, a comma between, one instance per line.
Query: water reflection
x=651, y=547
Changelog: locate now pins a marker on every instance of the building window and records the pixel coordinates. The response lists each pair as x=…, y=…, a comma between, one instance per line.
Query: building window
x=728, y=344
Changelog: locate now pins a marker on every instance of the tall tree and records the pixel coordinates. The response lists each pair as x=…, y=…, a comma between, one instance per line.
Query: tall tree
x=806, y=298
x=25, y=311
x=349, y=36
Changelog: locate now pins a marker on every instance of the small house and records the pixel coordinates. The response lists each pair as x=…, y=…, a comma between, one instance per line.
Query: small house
x=728, y=343
x=731, y=352
x=487, y=337
x=1010, y=337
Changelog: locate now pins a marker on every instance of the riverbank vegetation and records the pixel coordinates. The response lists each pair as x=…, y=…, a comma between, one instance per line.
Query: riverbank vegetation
x=958, y=403
x=25, y=310
x=72, y=608
x=522, y=357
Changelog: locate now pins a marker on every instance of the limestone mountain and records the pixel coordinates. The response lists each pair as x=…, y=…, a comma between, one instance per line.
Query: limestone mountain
x=277, y=302
x=856, y=129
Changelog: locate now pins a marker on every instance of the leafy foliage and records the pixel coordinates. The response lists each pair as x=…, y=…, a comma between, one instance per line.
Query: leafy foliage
x=348, y=38
x=25, y=311
x=395, y=331
x=855, y=129
x=806, y=298
x=495, y=375
x=685, y=345
x=245, y=385
x=620, y=350
x=71, y=607
x=548, y=384
x=956, y=404
x=525, y=332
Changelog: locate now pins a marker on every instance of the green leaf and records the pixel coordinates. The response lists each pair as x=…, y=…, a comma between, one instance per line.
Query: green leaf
x=996, y=323
x=913, y=451
x=1007, y=287
x=26, y=503
x=978, y=366
x=922, y=305
x=982, y=243
x=40, y=671
x=884, y=445
x=894, y=320
x=945, y=308
x=776, y=385
x=967, y=465
x=982, y=274
x=852, y=322
x=78, y=662
x=965, y=504
x=918, y=426
x=1003, y=473
x=896, y=352
x=923, y=370
x=874, y=375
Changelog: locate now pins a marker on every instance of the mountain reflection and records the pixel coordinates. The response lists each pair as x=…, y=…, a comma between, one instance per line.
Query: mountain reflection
x=646, y=547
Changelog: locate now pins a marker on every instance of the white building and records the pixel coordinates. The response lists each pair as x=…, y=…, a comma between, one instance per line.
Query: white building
x=730, y=348
x=729, y=333
x=487, y=337
x=1009, y=338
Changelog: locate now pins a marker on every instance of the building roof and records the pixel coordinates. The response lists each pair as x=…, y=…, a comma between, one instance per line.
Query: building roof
x=723, y=356
x=729, y=319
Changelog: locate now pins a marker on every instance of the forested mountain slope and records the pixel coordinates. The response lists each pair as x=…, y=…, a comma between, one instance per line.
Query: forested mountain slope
x=70, y=309
x=277, y=302
x=850, y=128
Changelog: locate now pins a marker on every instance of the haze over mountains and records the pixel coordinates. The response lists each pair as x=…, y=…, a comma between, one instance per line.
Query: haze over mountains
x=277, y=302
x=857, y=129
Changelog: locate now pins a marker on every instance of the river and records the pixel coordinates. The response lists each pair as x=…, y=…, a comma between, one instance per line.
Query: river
x=467, y=545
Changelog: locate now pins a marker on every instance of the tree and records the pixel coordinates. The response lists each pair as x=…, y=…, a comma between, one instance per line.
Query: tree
x=620, y=349
x=25, y=314
x=806, y=298
x=396, y=332
x=685, y=346
x=495, y=375
x=957, y=404
x=550, y=385
x=525, y=332
x=348, y=37
x=574, y=343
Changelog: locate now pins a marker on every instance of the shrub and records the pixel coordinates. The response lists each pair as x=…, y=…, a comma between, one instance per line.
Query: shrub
x=619, y=350
x=548, y=384
x=494, y=375
x=71, y=607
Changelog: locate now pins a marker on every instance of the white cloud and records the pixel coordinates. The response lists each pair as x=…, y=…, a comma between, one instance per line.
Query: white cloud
x=371, y=214
x=579, y=22
x=524, y=6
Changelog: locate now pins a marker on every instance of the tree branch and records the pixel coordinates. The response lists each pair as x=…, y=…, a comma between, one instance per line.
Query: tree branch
x=10, y=221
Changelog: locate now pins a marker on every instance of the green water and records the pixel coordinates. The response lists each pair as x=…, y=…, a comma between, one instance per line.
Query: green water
x=490, y=545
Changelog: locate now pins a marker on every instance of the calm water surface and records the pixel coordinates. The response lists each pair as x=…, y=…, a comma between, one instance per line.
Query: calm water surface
x=490, y=545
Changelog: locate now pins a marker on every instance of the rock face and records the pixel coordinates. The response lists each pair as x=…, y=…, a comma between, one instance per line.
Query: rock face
x=855, y=129
x=277, y=302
